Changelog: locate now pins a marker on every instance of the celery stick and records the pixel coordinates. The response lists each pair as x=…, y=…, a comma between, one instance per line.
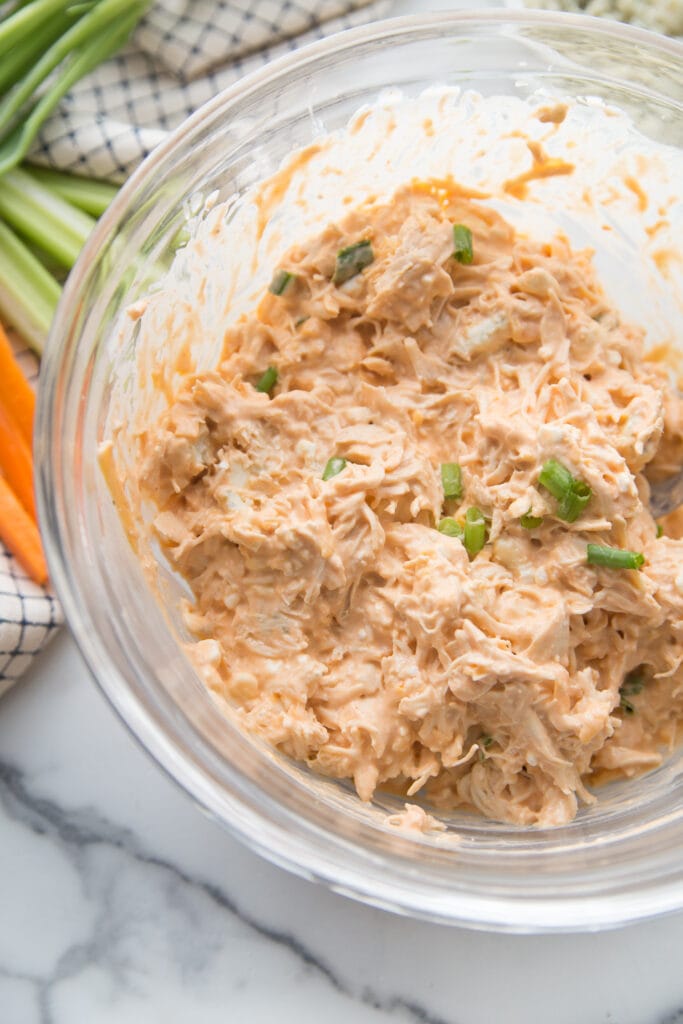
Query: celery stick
x=28, y=294
x=53, y=268
x=43, y=217
x=87, y=194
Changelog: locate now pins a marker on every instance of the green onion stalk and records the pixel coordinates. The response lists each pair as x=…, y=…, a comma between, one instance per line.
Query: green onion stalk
x=268, y=380
x=571, y=493
x=352, y=260
x=451, y=528
x=451, y=480
x=463, y=249
x=333, y=467
x=475, y=531
x=613, y=558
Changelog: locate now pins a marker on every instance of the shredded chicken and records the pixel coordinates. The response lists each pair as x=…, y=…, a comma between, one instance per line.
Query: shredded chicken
x=414, y=818
x=339, y=622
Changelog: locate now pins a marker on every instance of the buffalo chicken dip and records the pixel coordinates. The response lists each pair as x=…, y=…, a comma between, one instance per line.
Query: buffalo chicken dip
x=411, y=503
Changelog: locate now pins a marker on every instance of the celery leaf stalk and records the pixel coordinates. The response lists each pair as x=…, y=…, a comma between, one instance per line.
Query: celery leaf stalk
x=43, y=217
x=87, y=194
x=28, y=293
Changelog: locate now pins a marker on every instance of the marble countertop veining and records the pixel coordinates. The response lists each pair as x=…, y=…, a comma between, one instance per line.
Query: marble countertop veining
x=122, y=903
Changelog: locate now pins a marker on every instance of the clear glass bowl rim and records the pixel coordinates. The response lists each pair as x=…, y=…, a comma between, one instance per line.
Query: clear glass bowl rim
x=265, y=827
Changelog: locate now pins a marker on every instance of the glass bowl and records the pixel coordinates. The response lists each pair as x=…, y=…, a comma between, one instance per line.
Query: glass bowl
x=620, y=860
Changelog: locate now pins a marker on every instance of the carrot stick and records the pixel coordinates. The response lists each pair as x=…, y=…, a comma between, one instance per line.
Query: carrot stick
x=20, y=534
x=16, y=394
x=16, y=462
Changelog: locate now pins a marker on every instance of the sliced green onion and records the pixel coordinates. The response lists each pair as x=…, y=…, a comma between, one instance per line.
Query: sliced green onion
x=572, y=494
x=613, y=558
x=475, y=531
x=660, y=530
x=268, y=380
x=333, y=467
x=281, y=282
x=450, y=528
x=484, y=744
x=633, y=683
x=556, y=478
x=574, y=502
x=462, y=244
x=451, y=479
x=352, y=260
x=530, y=522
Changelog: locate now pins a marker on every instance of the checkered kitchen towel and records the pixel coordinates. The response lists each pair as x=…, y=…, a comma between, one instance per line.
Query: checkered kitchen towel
x=29, y=614
x=182, y=54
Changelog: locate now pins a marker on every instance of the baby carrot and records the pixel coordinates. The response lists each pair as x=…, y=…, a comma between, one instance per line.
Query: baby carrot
x=15, y=461
x=20, y=534
x=16, y=394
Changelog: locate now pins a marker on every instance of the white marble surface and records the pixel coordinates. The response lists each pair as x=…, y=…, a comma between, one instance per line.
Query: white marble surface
x=120, y=903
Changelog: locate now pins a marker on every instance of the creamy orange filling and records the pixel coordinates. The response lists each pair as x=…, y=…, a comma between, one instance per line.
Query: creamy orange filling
x=340, y=623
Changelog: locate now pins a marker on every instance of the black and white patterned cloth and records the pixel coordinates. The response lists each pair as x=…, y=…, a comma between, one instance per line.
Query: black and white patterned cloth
x=29, y=614
x=182, y=54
